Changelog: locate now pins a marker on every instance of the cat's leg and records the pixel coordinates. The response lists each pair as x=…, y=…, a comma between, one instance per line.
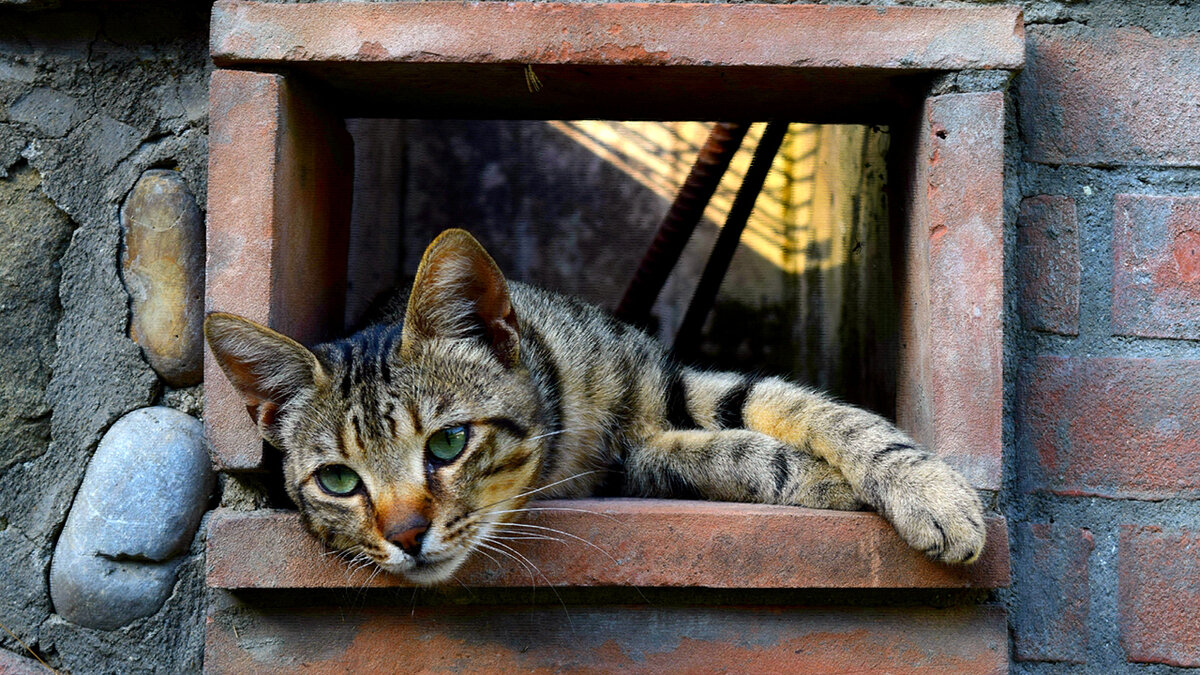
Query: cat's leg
x=734, y=465
x=930, y=504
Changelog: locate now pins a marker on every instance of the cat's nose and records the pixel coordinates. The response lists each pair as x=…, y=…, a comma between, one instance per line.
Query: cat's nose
x=409, y=534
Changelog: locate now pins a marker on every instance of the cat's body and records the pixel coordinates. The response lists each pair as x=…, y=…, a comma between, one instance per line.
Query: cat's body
x=441, y=426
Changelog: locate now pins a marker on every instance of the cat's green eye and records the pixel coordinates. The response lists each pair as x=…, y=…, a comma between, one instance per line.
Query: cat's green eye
x=338, y=479
x=447, y=443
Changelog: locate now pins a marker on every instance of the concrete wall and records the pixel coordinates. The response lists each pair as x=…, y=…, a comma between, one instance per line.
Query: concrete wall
x=90, y=97
x=1102, y=465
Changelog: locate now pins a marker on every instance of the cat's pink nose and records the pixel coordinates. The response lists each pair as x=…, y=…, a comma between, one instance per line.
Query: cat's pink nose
x=409, y=534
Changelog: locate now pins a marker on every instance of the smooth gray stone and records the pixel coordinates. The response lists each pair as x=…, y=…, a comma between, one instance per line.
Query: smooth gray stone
x=134, y=517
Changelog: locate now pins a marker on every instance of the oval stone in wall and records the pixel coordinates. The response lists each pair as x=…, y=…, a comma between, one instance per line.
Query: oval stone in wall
x=133, y=519
x=163, y=263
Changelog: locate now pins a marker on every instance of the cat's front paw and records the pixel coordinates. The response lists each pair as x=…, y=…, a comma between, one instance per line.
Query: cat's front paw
x=937, y=512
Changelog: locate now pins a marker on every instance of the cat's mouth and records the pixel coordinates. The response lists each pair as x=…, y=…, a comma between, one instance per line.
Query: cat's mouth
x=437, y=565
x=431, y=571
x=423, y=570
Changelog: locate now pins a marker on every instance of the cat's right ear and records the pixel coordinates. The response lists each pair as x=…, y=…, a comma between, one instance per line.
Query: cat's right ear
x=267, y=368
x=459, y=292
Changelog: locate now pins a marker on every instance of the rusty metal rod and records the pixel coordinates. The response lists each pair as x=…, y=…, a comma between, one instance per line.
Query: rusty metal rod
x=681, y=219
x=688, y=336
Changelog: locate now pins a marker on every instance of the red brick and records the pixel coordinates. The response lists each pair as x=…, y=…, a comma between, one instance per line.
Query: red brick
x=667, y=543
x=552, y=638
x=951, y=388
x=1048, y=264
x=1159, y=591
x=15, y=664
x=1051, y=621
x=1082, y=101
x=614, y=34
x=617, y=60
x=1112, y=427
x=1156, y=266
x=241, y=146
x=278, y=211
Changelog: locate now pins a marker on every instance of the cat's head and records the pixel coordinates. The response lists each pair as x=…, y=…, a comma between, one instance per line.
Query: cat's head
x=408, y=445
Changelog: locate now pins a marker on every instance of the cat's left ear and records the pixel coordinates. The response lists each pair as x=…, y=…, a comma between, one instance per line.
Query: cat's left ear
x=459, y=292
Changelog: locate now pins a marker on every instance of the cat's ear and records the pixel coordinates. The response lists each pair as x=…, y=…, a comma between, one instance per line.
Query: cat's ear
x=459, y=292
x=267, y=368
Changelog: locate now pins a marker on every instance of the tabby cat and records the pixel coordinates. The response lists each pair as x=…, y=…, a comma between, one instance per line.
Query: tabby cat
x=413, y=442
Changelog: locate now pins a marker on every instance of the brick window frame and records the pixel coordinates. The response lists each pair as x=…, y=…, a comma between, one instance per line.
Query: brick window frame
x=279, y=205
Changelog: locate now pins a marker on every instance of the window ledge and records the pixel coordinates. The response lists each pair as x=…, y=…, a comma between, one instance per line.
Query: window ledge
x=634, y=542
x=615, y=60
x=639, y=34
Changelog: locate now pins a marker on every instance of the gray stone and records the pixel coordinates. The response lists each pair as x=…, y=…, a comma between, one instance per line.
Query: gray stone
x=163, y=259
x=134, y=516
x=170, y=641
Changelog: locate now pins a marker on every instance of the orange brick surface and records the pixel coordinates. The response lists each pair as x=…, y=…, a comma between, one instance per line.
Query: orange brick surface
x=1159, y=591
x=572, y=638
x=278, y=210
x=1156, y=266
x=654, y=34
x=950, y=390
x=1111, y=427
x=638, y=542
x=1082, y=103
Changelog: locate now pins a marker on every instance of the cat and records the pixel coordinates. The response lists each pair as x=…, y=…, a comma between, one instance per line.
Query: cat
x=417, y=439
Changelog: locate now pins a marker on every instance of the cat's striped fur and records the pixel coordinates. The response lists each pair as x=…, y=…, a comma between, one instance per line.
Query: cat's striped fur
x=560, y=400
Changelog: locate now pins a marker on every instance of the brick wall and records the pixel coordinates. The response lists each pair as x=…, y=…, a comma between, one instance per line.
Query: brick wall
x=1103, y=473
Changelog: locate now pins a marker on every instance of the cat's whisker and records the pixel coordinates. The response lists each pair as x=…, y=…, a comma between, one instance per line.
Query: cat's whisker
x=360, y=561
x=465, y=587
x=512, y=535
x=486, y=555
x=508, y=537
x=565, y=534
x=342, y=552
x=530, y=537
x=558, y=508
x=521, y=556
x=544, y=578
x=488, y=544
x=552, y=433
x=371, y=578
x=536, y=490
